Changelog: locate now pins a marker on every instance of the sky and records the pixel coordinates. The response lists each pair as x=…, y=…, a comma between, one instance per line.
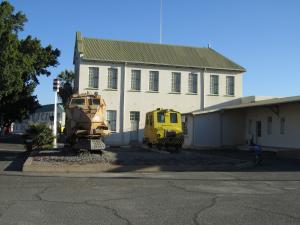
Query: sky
x=263, y=36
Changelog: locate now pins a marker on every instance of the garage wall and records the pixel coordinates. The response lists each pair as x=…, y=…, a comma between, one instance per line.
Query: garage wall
x=289, y=139
x=233, y=128
x=207, y=130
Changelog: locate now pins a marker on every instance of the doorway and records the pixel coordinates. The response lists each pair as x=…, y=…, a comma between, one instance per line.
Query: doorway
x=134, y=130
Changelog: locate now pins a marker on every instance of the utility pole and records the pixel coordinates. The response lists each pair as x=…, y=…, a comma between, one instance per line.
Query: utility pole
x=160, y=23
x=55, y=89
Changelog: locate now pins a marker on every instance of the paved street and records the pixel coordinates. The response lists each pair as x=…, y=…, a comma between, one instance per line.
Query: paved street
x=247, y=197
x=169, y=198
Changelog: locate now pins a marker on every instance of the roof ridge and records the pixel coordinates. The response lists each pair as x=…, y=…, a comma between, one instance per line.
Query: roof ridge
x=143, y=42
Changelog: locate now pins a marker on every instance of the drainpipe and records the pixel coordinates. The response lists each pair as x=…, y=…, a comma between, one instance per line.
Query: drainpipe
x=202, y=106
x=122, y=104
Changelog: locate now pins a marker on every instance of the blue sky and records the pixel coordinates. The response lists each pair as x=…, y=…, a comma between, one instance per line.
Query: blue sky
x=262, y=36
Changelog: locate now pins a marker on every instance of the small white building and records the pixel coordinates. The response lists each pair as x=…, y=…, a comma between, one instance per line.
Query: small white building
x=135, y=78
x=44, y=114
x=271, y=123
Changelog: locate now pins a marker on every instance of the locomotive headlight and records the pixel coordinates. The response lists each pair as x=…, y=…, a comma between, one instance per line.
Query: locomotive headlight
x=96, y=119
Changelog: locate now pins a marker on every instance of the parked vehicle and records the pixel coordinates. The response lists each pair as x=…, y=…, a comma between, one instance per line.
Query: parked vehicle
x=86, y=124
x=164, y=129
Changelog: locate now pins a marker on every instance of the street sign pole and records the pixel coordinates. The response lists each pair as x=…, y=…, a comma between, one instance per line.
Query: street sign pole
x=55, y=89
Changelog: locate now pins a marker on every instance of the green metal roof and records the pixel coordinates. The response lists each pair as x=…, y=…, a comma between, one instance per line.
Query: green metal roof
x=151, y=53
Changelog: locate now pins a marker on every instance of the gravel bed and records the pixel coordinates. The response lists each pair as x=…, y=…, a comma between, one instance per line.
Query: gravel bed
x=131, y=157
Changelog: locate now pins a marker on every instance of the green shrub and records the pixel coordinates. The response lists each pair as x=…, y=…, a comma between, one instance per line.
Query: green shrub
x=40, y=134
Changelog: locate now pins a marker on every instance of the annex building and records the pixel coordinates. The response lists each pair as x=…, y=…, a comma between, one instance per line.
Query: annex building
x=135, y=78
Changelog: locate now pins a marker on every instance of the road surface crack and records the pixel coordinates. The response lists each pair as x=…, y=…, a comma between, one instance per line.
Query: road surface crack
x=113, y=210
x=210, y=205
x=39, y=194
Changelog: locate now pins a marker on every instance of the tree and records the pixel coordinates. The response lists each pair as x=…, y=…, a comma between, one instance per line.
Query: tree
x=66, y=86
x=22, y=61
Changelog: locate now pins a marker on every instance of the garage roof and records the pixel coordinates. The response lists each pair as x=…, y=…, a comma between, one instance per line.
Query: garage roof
x=268, y=102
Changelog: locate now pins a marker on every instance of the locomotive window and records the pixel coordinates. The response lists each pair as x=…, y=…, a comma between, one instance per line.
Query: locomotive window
x=77, y=101
x=94, y=101
x=161, y=117
x=173, y=118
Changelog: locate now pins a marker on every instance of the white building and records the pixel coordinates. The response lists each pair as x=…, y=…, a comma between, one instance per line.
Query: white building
x=134, y=78
x=273, y=123
x=44, y=114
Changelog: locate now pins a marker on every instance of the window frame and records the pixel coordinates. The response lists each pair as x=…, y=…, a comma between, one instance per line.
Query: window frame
x=214, y=84
x=93, y=78
x=112, y=120
x=136, y=80
x=193, y=83
x=112, y=78
x=230, y=85
x=134, y=116
x=282, y=125
x=154, y=81
x=176, y=82
x=171, y=114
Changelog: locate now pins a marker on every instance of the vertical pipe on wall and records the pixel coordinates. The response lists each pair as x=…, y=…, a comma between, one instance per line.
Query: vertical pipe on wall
x=122, y=103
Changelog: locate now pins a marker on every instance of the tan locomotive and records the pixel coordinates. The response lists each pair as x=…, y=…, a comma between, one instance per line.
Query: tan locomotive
x=86, y=124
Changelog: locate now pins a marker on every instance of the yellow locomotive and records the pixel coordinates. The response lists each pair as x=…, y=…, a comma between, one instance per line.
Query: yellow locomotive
x=163, y=128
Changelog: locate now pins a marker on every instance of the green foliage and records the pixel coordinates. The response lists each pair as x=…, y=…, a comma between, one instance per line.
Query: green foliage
x=22, y=61
x=66, y=89
x=40, y=134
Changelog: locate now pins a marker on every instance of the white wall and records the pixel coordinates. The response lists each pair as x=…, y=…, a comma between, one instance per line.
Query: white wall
x=144, y=101
x=290, y=139
x=233, y=128
x=213, y=101
x=207, y=130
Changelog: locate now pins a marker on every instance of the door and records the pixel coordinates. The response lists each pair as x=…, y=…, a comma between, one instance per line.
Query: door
x=134, y=130
x=258, y=132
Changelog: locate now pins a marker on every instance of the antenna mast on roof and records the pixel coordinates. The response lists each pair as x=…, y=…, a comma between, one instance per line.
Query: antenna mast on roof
x=160, y=25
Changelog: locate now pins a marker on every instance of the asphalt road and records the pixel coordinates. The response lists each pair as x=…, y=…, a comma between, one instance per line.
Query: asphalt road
x=246, y=197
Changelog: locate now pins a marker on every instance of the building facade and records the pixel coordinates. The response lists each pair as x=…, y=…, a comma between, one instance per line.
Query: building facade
x=44, y=114
x=135, y=78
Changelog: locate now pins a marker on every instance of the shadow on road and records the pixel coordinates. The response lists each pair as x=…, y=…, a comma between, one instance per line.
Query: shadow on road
x=12, y=152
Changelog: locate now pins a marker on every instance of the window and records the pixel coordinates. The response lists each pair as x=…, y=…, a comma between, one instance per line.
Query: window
x=176, y=82
x=112, y=81
x=93, y=77
x=173, y=118
x=153, y=81
x=282, y=125
x=214, y=84
x=269, y=126
x=193, y=81
x=230, y=85
x=94, y=101
x=111, y=119
x=135, y=115
x=77, y=101
x=160, y=117
x=136, y=80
